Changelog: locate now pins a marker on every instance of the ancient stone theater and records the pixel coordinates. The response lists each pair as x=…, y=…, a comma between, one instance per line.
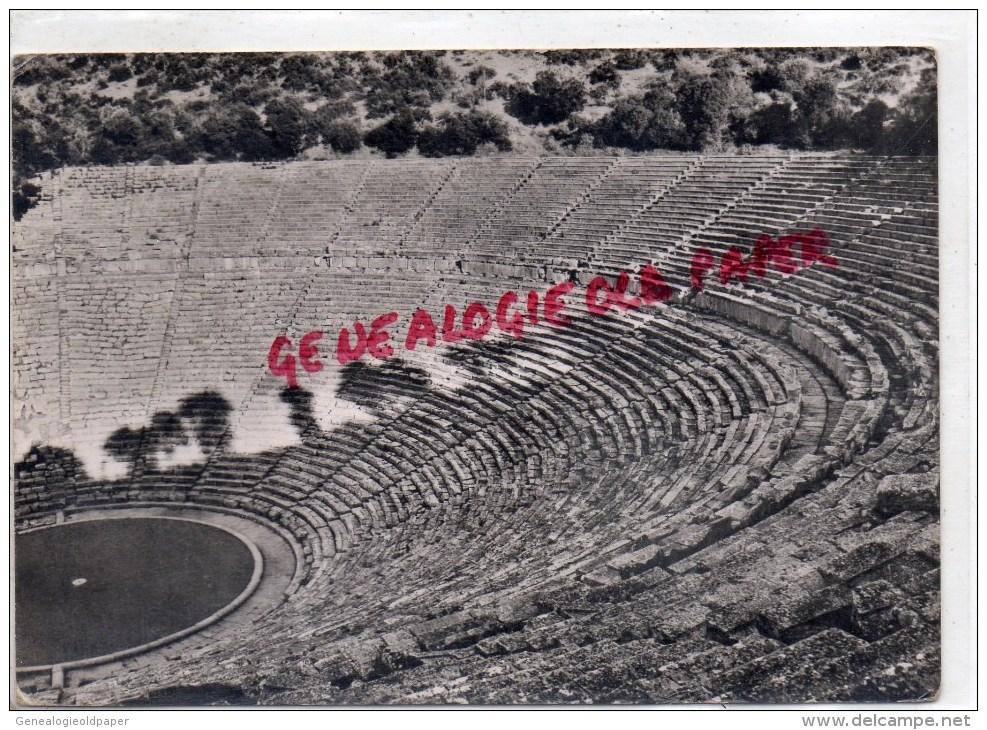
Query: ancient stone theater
x=492, y=430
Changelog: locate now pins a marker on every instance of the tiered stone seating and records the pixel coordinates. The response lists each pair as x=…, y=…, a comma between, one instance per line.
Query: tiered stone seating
x=311, y=208
x=789, y=195
x=220, y=324
x=235, y=205
x=392, y=196
x=131, y=214
x=162, y=205
x=36, y=368
x=112, y=334
x=464, y=202
x=709, y=189
x=549, y=192
x=32, y=245
x=633, y=184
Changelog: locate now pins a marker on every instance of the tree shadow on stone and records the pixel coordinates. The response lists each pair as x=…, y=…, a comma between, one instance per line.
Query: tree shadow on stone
x=302, y=416
x=203, y=416
x=378, y=387
x=479, y=357
x=141, y=449
x=209, y=413
x=50, y=467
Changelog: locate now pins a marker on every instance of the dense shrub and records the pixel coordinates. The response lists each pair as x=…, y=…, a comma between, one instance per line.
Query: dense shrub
x=630, y=59
x=549, y=100
x=183, y=71
x=234, y=132
x=25, y=197
x=39, y=70
x=409, y=79
x=462, y=134
x=646, y=122
x=480, y=74
x=259, y=106
x=395, y=136
x=342, y=136
x=605, y=73
x=299, y=73
x=288, y=124
x=331, y=110
x=119, y=72
x=571, y=57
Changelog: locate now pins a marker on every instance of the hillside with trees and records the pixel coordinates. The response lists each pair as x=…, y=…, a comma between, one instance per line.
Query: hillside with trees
x=111, y=109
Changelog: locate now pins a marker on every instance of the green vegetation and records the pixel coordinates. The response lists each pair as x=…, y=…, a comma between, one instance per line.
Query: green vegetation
x=109, y=109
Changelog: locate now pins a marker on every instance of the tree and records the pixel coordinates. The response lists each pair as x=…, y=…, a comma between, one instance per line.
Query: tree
x=709, y=102
x=866, y=127
x=31, y=154
x=794, y=73
x=123, y=129
x=342, y=136
x=773, y=122
x=817, y=110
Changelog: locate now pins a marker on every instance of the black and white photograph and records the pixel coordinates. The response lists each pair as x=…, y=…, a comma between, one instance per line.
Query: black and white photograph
x=571, y=376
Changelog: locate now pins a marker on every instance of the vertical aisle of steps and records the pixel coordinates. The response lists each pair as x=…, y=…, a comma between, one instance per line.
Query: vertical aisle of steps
x=263, y=244
x=579, y=201
x=223, y=479
x=631, y=186
x=454, y=171
x=35, y=330
x=210, y=470
x=599, y=252
x=664, y=233
x=64, y=365
x=164, y=355
x=487, y=225
x=518, y=231
x=465, y=202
